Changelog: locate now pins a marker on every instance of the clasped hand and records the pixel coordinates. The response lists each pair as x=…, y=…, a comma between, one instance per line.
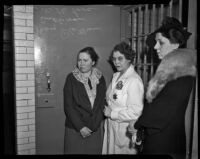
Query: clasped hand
x=131, y=128
x=107, y=111
x=85, y=132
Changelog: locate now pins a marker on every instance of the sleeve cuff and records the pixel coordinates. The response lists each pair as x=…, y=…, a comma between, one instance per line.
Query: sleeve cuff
x=114, y=115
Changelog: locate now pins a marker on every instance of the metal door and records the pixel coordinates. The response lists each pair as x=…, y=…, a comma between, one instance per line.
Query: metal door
x=60, y=32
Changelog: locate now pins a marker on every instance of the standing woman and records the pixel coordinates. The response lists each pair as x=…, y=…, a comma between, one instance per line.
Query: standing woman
x=84, y=94
x=168, y=92
x=125, y=102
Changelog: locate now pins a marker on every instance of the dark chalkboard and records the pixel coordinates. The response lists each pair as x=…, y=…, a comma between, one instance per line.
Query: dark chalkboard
x=67, y=29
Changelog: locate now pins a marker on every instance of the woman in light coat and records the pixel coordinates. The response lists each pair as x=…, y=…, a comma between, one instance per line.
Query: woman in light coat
x=125, y=102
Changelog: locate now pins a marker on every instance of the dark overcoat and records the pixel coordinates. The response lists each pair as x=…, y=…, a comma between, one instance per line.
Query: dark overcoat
x=77, y=106
x=164, y=119
x=168, y=93
x=79, y=113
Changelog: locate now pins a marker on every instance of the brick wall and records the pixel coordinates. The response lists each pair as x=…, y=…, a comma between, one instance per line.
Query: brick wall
x=25, y=78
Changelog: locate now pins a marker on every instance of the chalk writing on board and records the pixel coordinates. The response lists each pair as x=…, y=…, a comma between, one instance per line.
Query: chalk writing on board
x=41, y=30
x=65, y=11
x=50, y=10
x=66, y=33
x=61, y=21
x=76, y=11
x=83, y=9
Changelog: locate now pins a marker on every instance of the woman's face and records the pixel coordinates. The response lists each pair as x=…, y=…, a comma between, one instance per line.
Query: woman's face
x=85, y=62
x=120, y=62
x=163, y=45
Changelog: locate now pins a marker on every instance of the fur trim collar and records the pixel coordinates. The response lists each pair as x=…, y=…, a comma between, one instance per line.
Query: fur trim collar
x=178, y=63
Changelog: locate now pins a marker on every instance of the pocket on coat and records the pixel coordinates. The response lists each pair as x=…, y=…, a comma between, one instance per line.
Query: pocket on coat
x=120, y=135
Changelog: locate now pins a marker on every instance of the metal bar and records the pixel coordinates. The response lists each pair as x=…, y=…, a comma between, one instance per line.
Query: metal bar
x=146, y=31
x=147, y=64
x=128, y=26
x=133, y=32
x=145, y=71
x=170, y=8
x=139, y=40
x=153, y=18
x=142, y=42
x=135, y=23
x=45, y=106
x=161, y=13
x=130, y=7
x=146, y=21
x=141, y=35
x=180, y=10
x=122, y=27
x=152, y=29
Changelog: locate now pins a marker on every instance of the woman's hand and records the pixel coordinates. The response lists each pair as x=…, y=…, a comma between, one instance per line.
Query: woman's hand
x=85, y=132
x=133, y=132
x=131, y=128
x=107, y=111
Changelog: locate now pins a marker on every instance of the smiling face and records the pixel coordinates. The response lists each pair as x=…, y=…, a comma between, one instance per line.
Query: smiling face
x=163, y=46
x=85, y=62
x=120, y=62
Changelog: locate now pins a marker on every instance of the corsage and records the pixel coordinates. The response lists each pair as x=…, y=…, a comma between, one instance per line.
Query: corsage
x=119, y=85
x=114, y=96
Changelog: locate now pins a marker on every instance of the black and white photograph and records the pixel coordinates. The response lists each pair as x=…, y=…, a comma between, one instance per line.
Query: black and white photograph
x=100, y=79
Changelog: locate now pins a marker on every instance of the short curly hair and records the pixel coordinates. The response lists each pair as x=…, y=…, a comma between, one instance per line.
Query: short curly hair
x=91, y=51
x=124, y=49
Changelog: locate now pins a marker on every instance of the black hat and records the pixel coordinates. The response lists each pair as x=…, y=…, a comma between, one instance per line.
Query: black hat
x=168, y=24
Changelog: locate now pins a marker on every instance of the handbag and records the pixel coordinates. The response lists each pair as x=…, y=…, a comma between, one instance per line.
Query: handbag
x=140, y=139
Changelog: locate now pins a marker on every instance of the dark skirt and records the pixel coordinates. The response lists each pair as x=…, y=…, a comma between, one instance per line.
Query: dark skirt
x=74, y=143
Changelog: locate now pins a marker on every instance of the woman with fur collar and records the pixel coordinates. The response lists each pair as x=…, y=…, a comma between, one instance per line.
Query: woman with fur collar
x=168, y=92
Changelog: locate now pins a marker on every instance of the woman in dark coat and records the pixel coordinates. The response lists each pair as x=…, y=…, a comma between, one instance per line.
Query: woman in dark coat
x=168, y=92
x=84, y=94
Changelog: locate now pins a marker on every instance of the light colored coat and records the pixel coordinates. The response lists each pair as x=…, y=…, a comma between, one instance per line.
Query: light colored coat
x=126, y=103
